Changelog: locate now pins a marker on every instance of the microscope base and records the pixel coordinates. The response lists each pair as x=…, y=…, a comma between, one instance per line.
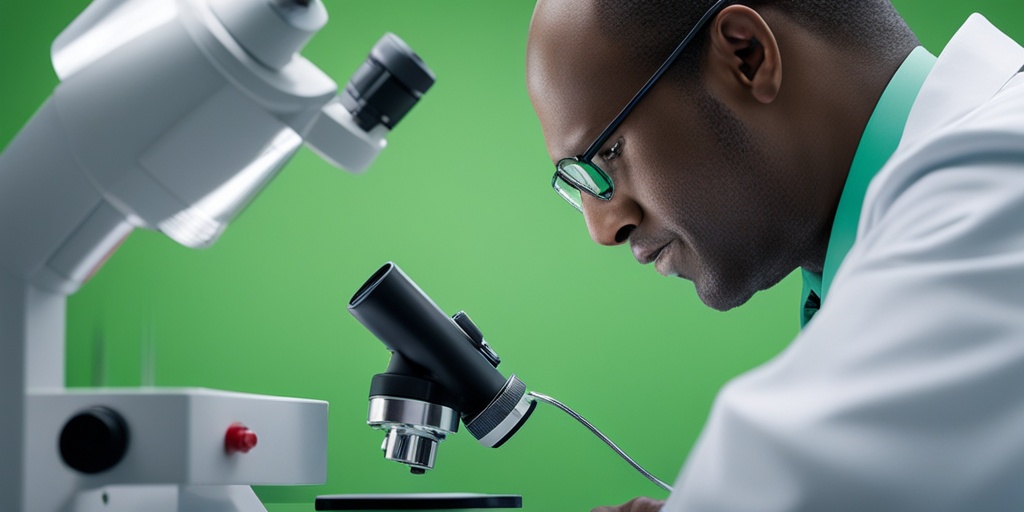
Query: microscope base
x=179, y=453
x=168, y=498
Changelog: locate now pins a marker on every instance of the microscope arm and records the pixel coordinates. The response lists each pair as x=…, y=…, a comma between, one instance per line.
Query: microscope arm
x=56, y=230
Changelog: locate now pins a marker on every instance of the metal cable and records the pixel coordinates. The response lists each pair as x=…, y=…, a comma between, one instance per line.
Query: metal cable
x=592, y=428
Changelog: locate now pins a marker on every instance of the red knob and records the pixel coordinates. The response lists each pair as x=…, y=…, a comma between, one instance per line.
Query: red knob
x=239, y=439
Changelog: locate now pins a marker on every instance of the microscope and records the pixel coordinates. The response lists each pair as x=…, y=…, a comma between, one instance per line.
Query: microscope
x=441, y=371
x=171, y=115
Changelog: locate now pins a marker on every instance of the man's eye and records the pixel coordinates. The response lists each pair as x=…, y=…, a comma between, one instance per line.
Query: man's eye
x=613, y=152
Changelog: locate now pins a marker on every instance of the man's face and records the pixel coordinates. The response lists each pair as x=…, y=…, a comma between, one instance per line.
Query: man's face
x=697, y=191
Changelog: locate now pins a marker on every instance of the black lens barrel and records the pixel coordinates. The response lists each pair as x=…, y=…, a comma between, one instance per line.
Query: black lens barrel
x=404, y=318
x=388, y=84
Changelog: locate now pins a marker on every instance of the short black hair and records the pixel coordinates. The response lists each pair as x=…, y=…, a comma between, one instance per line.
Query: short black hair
x=651, y=29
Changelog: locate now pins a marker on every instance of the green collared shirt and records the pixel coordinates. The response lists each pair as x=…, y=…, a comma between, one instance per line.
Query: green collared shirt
x=881, y=137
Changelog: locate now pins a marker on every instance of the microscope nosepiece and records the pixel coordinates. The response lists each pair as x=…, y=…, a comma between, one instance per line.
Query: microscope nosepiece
x=414, y=429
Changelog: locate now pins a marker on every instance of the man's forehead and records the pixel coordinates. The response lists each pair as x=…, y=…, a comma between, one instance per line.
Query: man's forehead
x=578, y=78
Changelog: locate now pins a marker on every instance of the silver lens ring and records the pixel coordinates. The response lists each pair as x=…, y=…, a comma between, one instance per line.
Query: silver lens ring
x=388, y=411
x=504, y=414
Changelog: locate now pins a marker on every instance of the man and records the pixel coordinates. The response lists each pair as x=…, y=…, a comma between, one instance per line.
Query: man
x=815, y=135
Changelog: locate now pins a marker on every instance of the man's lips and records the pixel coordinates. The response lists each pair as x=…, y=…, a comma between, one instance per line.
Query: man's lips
x=646, y=255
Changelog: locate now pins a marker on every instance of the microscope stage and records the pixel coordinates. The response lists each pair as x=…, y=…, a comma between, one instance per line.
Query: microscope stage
x=441, y=501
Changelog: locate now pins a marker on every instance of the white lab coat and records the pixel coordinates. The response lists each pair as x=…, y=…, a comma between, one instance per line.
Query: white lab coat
x=906, y=390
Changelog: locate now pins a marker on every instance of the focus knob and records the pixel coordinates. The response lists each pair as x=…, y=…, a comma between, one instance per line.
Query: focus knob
x=94, y=440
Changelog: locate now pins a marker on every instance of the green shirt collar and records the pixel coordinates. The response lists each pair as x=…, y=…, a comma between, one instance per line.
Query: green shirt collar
x=881, y=137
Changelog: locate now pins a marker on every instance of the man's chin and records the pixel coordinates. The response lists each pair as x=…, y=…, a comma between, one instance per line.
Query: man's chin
x=719, y=296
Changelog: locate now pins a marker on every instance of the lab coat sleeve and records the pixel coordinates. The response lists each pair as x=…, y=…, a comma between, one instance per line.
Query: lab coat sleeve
x=906, y=391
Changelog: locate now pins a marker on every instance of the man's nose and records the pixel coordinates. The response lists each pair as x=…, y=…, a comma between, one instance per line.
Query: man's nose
x=611, y=222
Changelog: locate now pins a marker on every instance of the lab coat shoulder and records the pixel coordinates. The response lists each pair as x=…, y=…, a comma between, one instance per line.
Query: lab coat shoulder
x=967, y=108
x=903, y=393
x=946, y=213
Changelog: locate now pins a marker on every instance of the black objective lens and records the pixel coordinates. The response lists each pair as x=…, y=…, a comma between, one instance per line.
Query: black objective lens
x=387, y=85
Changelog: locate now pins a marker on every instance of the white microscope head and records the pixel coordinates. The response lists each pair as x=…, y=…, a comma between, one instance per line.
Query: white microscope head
x=181, y=111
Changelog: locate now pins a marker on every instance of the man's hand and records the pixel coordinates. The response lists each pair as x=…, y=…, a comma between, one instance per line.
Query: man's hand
x=634, y=505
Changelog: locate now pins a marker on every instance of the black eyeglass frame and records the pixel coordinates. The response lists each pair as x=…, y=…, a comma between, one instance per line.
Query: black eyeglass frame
x=587, y=157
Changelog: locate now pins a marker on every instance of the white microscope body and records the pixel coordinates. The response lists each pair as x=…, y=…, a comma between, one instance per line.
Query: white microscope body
x=170, y=115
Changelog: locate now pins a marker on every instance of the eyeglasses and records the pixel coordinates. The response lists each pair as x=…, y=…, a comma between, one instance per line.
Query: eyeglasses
x=579, y=174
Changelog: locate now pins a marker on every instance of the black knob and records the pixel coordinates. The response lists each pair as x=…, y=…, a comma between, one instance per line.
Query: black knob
x=94, y=440
x=477, y=337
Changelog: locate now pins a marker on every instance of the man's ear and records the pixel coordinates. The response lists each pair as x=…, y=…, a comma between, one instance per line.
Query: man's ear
x=744, y=51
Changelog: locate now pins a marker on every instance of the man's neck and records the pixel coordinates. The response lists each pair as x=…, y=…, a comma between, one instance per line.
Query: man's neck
x=849, y=96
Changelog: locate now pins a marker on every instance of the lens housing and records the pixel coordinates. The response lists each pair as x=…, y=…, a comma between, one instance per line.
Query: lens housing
x=388, y=84
x=434, y=361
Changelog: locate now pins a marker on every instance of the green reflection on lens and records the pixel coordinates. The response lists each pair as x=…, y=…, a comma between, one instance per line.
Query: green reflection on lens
x=568, y=192
x=585, y=176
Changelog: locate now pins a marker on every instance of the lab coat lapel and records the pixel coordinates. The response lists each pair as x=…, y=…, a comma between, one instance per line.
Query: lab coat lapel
x=976, y=64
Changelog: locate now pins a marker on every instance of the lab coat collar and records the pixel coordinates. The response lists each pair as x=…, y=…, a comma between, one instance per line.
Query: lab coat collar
x=976, y=63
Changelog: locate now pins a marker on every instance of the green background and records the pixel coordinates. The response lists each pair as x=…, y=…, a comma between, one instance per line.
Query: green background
x=461, y=201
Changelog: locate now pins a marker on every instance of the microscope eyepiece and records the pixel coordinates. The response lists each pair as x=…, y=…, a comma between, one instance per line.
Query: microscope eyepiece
x=438, y=364
x=388, y=84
